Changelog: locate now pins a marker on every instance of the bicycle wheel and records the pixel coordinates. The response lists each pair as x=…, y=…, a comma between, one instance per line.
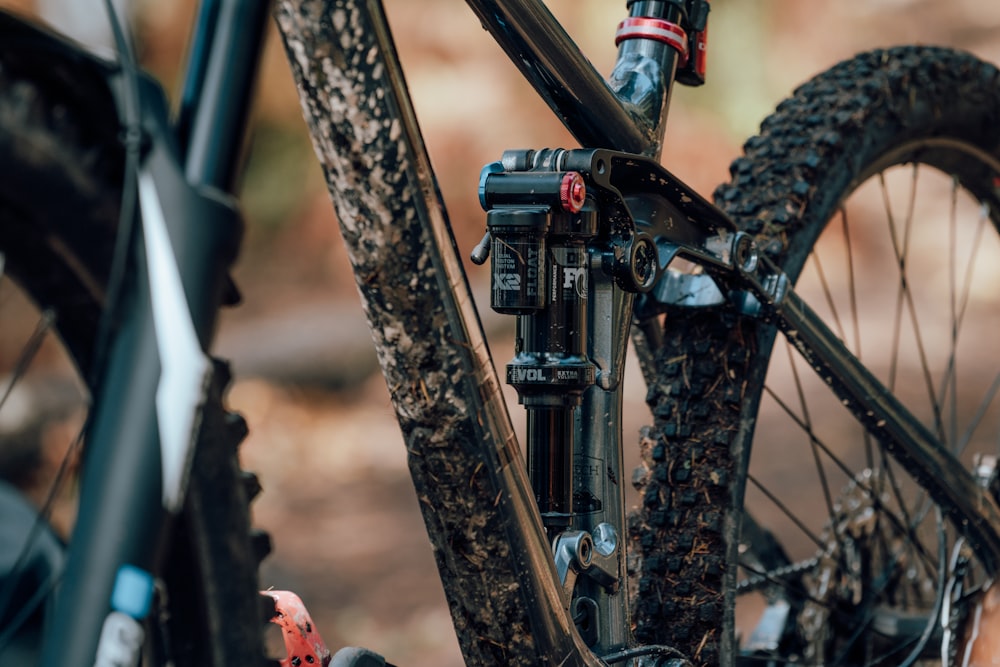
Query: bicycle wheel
x=875, y=186
x=62, y=163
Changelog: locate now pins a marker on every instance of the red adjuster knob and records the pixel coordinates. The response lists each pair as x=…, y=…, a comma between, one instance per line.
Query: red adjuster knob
x=572, y=192
x=644, y=27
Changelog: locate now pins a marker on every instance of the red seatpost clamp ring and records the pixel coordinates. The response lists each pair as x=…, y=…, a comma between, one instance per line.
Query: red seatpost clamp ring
x=644, y=27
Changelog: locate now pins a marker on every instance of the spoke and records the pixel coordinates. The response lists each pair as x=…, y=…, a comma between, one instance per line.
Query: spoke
x=902, y=646
x=959, y=316
x=904, y=529
x=21, y=366
x=925, y=366
x=949, y=380
x=852, y=289
x=852, y=285
x=897, y=329
x=29, y=352
x=850, y=474
x=970, y=264
x=784, y=509
x=807, y=421
x=901, y=263
x=879, y=480
x=978, y=417
x=7, y=592
x=828, y=296
x=910, y=523
x=901, y=257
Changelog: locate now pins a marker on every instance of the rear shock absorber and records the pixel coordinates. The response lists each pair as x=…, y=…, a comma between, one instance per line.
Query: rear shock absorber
x=538, y=225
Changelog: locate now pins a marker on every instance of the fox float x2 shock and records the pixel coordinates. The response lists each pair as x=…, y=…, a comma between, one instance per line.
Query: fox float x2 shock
x=566, y=229
x=539, y=228
x=566, y=261
x=577, y=238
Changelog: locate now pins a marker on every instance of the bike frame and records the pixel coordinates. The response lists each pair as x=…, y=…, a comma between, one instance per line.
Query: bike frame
x=478, y=503
x=435, y=306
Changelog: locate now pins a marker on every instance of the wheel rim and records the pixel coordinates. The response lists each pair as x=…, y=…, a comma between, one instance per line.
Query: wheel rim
x=860, y=569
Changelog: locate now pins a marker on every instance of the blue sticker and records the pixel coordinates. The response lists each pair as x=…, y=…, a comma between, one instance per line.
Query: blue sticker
x=133, y=592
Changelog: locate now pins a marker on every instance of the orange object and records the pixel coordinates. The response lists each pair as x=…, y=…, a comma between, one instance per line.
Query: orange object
x=303, y=645
x=981, y=645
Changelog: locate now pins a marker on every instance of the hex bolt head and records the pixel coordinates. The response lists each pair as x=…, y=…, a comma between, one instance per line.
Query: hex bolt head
x=745, y=254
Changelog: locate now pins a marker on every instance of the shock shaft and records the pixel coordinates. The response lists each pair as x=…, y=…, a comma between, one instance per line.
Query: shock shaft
x=550, y=464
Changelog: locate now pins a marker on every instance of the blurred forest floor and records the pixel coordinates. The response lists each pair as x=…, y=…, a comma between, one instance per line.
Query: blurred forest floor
x=337, y=500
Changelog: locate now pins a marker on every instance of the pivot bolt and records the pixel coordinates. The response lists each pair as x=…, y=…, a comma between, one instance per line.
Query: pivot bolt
x=643, y=264
x=745, y=255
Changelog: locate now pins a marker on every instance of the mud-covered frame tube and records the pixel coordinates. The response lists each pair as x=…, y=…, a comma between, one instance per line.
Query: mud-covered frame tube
x=495, y=562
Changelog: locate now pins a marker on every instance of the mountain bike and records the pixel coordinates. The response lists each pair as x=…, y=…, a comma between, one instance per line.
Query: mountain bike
x=118, y=226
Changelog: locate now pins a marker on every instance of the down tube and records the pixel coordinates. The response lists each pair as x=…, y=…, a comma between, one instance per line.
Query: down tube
x=477, y=504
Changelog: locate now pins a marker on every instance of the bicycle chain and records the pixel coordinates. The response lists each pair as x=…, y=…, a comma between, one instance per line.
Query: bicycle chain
x=761, y=581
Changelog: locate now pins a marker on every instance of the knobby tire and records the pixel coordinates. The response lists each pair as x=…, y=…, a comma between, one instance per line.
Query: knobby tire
x=903, y=105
